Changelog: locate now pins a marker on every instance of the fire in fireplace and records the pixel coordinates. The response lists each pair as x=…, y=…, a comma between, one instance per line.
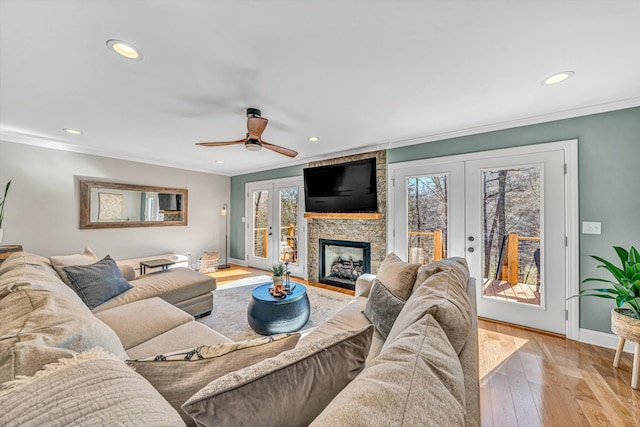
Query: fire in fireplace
x=342, y=262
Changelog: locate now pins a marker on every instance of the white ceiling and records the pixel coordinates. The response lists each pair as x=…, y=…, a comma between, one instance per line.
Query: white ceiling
x=357, y=74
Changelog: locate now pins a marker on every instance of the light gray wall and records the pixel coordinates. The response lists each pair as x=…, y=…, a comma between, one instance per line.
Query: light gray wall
x=42, y=212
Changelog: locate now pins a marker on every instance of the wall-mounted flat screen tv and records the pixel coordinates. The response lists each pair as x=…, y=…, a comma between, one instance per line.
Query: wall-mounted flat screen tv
x=345, y=187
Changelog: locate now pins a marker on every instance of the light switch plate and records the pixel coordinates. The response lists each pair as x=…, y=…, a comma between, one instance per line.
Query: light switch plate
x=591, y=227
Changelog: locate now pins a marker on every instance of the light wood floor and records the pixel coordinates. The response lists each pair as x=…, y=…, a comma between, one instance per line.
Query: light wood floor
x=529, y=378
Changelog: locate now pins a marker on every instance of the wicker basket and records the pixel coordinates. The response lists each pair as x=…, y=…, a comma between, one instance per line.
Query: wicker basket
x=207, y=265
x=625, y=326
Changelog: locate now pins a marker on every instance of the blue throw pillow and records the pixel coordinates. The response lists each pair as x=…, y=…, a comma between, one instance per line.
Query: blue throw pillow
x=97, y=283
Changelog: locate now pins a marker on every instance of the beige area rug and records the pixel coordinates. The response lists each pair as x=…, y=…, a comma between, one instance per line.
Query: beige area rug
x=230, y=302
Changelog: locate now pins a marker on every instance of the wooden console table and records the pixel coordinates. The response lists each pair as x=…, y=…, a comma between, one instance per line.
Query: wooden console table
x=8, y=250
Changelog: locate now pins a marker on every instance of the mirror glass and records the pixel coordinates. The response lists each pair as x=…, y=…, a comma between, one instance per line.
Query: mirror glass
x=113, y=205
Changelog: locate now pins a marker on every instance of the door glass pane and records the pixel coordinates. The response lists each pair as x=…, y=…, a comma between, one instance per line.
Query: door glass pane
x=260, y=223
x=289, y=225
x=427, y=212
x=511, y=228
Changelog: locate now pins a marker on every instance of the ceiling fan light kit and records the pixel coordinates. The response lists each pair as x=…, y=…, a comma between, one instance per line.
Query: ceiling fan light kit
x=253, y=145
x=256, y=124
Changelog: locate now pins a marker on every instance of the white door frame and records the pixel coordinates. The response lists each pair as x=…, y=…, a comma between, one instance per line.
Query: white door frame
x=275, y=184
x=570, y=148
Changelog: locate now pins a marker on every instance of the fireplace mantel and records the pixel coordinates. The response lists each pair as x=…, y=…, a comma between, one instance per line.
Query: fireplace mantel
x=373, y=215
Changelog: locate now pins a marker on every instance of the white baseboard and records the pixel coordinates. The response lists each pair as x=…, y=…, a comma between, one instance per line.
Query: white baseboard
x=602, y=339
x=239, y=262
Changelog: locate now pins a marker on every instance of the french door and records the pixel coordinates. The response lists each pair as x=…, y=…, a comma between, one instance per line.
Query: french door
x=505, y=215
x=275, y=224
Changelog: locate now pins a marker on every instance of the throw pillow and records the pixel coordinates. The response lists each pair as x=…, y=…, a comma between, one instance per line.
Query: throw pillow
x=97, y=283
x=415, y=381
x=442, y=295
x=289, y=389
x=179, y=375
x=398, y=276
x=382, y=308
x=92, y=388
x=61, y=261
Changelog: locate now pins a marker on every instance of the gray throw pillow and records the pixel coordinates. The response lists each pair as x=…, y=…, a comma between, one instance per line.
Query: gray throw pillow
x=180, y=374
x=97, y=283
x=382, y=308
x=290, y=389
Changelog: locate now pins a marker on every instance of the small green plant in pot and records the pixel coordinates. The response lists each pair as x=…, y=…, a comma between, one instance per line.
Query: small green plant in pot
x=278, y=271
x=625, y=289
x=3, y=199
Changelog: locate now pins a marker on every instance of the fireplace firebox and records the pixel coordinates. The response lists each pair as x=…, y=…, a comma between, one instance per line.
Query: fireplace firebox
x=343, y=261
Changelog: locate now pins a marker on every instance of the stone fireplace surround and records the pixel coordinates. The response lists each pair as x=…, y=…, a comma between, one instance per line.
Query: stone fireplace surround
x=373, y=231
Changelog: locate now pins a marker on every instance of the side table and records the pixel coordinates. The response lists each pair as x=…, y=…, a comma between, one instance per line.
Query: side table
x=154, y=263
x=8, y=250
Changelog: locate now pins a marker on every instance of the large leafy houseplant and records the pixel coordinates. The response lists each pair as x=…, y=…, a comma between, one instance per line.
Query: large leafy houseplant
x=2, y=200
x=625, y=289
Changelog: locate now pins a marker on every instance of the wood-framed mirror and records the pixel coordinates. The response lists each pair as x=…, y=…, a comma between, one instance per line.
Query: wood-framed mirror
x=113, y=205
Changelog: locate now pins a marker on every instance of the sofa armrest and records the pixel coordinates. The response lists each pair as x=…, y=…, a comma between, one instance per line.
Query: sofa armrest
x=363, y=284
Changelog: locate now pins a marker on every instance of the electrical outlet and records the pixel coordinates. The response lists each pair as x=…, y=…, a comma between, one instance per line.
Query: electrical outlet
x=591, y=227
x=242, y=219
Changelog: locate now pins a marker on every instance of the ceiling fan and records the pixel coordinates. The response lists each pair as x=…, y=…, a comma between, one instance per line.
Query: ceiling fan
x=253, y=141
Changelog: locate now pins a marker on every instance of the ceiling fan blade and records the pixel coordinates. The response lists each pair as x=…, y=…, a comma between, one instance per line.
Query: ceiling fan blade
x=279, y=149
x=221, y=144
x=256, y=125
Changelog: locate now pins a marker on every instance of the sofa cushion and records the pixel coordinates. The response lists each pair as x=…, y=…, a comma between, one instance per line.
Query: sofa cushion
x=417, y=380
x=382, y=308
x=398, y=276
x=289, y=389
x=443, y=295
x=98, y=282
x=173, y=285
x=349, y=318
x=186, y=335
x=179, y=375
x=142, y=320
x=33, y=271
x=91, y=389
x=36, y=317
x=60, y=261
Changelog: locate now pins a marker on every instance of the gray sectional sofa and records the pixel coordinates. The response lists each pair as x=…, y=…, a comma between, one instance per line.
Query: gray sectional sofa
x=426, y=368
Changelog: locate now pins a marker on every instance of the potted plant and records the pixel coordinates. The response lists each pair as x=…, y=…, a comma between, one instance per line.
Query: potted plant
x=2, y=200
x=278, y=271
x=625, y=289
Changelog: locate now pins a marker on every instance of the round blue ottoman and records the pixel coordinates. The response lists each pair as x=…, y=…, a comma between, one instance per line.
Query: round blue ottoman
x=268, y=315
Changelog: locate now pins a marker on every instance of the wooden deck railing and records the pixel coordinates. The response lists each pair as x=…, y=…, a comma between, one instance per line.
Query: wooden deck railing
x=510, y=261
x=438, y=247
x=291, y=230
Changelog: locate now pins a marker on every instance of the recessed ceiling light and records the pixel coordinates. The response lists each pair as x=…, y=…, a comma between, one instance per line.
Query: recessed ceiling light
x=557, y=78
x=313, y=138
x=72, y=131
x=219, y=162
x=125, y=49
